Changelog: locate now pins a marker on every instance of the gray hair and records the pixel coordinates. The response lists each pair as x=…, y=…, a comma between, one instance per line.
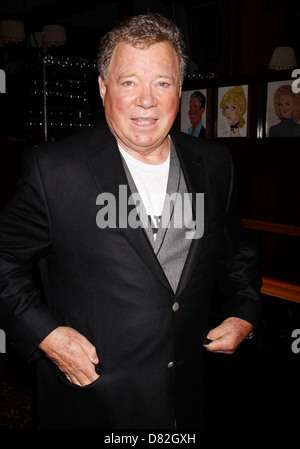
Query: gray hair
x=141, y=32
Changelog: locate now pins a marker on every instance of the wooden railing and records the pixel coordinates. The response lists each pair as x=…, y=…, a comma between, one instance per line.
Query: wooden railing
x=271, y=227
x=281, y=289
x=276, y=287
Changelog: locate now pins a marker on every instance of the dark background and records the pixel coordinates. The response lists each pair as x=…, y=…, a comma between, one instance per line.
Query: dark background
x=229, y=42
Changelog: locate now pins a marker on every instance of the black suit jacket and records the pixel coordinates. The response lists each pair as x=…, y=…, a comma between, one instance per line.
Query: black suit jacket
x=108, y=285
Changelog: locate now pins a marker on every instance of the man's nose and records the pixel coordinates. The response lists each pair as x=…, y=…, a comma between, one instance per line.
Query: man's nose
x=146, y=97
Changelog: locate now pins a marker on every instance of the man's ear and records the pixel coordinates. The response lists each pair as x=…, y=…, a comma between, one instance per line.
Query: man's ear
x=102, y=88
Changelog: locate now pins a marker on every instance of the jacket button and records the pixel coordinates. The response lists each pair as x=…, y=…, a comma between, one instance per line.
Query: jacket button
x=175, y=306
x=170, y=364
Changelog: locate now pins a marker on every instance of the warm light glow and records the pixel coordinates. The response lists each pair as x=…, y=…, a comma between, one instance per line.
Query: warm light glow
x=11, y=31
x=283, y=58
x=54, y=35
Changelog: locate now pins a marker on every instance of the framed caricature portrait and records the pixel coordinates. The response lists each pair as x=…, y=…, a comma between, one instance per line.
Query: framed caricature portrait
x=283, y=110
x=232, y=108
x=193, y=112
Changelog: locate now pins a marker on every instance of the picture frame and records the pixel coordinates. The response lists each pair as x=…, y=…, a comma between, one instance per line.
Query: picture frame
x=282, y=110
x=195, y=111
x=232, y=111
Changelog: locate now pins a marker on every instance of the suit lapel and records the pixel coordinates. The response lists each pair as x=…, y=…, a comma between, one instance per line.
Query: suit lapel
x=194, y=174
x=106, y=167
x=107, y=170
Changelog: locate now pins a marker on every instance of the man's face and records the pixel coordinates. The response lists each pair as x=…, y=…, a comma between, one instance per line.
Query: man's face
x=195, y=111
x=141, y=96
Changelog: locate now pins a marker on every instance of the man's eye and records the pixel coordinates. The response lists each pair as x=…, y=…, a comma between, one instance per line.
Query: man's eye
x=128, y=83
x=163, y=84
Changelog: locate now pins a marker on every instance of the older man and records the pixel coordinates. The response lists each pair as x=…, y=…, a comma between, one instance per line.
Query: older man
x=118, y=336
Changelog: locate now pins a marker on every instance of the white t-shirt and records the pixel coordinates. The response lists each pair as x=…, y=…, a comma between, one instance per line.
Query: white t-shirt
x=151, y=182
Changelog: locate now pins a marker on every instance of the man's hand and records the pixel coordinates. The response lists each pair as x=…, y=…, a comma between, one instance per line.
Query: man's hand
x=228, y=335
x=73, y=354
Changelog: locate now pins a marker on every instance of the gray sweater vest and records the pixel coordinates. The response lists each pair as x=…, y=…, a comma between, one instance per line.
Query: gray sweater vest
x=171, y=244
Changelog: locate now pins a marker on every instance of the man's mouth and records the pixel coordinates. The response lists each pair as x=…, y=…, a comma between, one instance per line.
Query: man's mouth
x=144, y=121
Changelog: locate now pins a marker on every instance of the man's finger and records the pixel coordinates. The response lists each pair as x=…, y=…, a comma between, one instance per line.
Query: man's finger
x=92, y=354
x=89, y=349
x=218, y=344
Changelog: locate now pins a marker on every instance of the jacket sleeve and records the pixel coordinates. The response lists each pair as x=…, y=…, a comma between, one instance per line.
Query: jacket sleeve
x=238, y=275
x=25, y=238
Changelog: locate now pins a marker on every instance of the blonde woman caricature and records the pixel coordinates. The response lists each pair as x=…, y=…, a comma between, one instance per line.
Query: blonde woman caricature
x=287, y=109
x=234, y=106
